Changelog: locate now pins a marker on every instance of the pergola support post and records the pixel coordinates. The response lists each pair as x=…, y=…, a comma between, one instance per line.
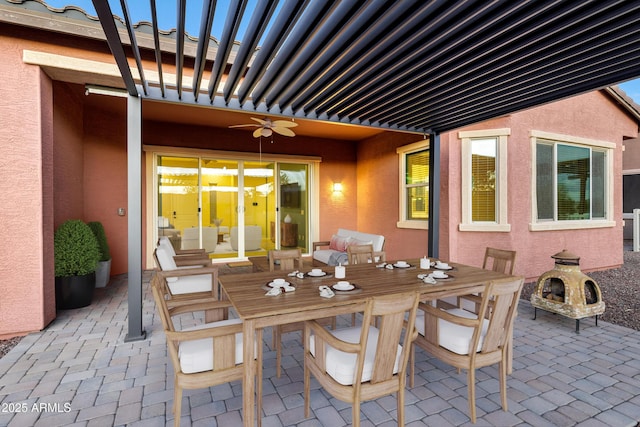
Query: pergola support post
x=134, y=220
x=434, y=195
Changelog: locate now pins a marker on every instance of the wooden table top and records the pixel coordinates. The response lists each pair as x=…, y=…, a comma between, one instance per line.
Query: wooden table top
x=247, y=291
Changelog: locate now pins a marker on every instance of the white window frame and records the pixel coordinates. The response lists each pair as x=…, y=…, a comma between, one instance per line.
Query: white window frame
x=402, y=158
x=501, y=224
x=546, y=225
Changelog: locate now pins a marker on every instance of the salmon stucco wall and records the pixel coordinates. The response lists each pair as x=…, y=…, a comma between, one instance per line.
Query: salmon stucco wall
x=378, y=198
x=27, y=290
x=593, y=116
x=105, y=179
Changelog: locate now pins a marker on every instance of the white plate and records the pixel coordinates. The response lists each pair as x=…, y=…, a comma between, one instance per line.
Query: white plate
x=316, y=275
x=402, y=266
x=446, y=276
x=343, y=286
x=273, y=285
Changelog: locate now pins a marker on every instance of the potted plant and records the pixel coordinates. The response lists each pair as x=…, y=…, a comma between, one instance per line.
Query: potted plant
x=76, y=255
x=103, y=270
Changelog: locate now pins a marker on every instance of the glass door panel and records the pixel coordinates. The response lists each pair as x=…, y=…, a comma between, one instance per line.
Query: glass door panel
x=293, y=209
x=259, y=206
x=220, y=204
x=178, y=197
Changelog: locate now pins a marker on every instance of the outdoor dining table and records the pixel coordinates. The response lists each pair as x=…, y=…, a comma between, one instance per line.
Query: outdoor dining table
x=247, y=294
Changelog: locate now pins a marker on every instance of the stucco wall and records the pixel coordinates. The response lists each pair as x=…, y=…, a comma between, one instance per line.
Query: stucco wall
x=378, y=198
x=26, y=283
x=105, y=178
x=593, y=116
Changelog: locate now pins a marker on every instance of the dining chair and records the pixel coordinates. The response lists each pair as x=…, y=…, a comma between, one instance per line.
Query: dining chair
x=188, y=283
x=362, y=254
x=185, y=257
x=287, y=258
x=204, y=355
x=363, y=362
x=467, y=340
x=500, y=260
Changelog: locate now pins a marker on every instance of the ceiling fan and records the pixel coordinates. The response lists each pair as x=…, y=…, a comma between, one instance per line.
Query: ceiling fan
x=267, y=126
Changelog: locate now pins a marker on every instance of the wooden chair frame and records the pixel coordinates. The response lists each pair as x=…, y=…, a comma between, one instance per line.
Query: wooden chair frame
x=391, y=310
x=224, y=342
x=288, y=258
x=498, y=307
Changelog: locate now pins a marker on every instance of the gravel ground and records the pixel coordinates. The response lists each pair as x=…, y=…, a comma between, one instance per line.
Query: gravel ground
x=619, y=287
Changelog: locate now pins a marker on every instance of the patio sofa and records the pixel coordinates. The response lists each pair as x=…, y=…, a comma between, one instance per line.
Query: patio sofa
x=336, y=252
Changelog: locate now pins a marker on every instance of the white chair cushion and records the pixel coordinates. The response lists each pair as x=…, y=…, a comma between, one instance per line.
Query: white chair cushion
x=341, y=366
x=166, y=243
x=189, y=284
x=456, y=338
x=167, y=263
x=197, y=355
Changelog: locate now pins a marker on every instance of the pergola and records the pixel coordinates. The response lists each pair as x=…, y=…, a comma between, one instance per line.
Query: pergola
x=406, y=65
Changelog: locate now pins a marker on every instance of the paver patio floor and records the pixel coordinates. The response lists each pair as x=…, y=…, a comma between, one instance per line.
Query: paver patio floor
x=80, y=372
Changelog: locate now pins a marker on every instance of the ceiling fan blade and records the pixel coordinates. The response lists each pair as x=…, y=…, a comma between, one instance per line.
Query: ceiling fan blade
x=283, y=131
x=257, y=133
x=284, y=123
x=243, y=126
x=262, y=122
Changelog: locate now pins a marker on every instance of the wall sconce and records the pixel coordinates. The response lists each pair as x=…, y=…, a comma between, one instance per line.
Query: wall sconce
x=337, y=187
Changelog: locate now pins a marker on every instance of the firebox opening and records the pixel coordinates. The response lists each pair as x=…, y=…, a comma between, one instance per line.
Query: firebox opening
x=590, y=293
x=553, y=289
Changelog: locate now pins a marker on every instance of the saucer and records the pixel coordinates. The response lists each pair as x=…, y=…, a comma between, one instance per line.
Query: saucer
x=439, y=267
x=343, y=286
x=446, y=276
x=402, y=266
x=323, y=273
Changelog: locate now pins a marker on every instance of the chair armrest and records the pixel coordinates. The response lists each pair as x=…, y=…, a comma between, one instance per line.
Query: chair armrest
x=382, y=256
x=188, y=272
x=316, y=245
x=181, y=252
x=323, y=334
x=197, y=334
x=187, y=260
x=442, y=314
x=201, y=304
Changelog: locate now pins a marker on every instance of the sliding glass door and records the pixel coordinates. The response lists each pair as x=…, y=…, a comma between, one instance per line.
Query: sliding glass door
x=230, y=207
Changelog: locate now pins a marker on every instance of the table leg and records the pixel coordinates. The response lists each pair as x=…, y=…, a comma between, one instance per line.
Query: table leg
x=248, y=383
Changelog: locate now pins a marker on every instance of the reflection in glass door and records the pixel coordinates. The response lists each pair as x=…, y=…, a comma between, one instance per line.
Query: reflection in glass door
x=293, y=210
x=231, y=207
x=178, y=216
x=220, y=204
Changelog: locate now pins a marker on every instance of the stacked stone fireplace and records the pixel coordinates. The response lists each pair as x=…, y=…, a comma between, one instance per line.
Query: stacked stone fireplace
x=567, y=291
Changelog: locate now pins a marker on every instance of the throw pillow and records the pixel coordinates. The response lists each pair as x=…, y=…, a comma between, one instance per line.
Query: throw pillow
x=339, y=243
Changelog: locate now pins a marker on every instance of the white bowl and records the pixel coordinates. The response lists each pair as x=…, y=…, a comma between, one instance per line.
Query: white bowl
x=279, y=282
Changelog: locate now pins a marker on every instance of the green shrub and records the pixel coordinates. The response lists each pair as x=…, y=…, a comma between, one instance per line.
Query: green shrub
x=76, y=251
x=101, y=237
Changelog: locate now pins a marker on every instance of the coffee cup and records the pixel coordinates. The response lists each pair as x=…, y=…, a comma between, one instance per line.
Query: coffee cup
x=442, y=264
x=402, y=263
x=439, y=274
x=279, y=282
x=316, y=271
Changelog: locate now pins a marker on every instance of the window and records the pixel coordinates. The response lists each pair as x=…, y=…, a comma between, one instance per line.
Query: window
x=484, y=180
x=571, y=182
x=414, y=185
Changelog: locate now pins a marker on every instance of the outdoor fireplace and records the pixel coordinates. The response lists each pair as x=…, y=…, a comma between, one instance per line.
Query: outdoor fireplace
x=568, y=291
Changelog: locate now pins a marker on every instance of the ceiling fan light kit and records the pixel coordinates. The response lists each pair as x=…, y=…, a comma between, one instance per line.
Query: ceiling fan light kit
x=267, y=126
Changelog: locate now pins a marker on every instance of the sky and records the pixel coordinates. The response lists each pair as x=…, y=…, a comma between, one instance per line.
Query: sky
x=140, y=11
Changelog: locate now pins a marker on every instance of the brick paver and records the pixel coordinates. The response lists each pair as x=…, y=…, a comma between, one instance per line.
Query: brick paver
x=79, y=371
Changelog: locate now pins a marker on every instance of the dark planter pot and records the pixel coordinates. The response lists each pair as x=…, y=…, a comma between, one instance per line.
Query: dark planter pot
x=74, y=291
